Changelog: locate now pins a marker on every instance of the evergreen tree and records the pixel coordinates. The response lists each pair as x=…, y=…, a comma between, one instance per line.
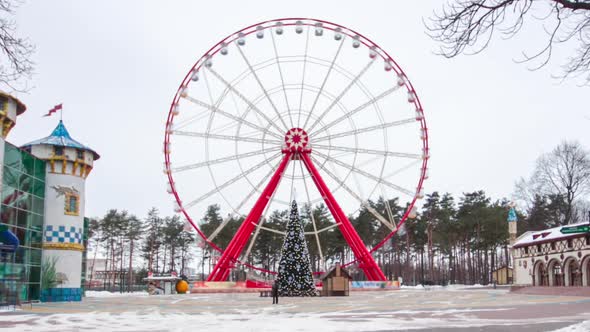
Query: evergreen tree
x=153, y=239
x=295, y=278
x=267, y=247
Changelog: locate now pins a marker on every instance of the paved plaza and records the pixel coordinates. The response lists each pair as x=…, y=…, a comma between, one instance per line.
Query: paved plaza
x=416, y=309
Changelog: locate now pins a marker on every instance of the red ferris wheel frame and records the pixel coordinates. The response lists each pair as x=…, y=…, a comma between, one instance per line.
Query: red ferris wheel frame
x=296, y=149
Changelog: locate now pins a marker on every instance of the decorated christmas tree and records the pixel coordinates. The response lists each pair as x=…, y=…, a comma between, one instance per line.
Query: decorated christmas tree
x=295, y=277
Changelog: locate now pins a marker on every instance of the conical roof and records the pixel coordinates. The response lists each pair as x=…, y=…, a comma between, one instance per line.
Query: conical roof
x=61, y=137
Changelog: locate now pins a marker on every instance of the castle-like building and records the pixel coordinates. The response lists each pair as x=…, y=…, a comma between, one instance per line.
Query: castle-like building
x=553, y=257
x=43, y=203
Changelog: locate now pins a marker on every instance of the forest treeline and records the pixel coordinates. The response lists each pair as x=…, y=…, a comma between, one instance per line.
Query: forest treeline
x=451, y=240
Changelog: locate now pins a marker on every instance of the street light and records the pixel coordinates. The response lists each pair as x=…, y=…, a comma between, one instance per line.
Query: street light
x=205, y=256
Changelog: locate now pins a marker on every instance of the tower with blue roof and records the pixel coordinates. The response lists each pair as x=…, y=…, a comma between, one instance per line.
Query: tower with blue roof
x=69, y=162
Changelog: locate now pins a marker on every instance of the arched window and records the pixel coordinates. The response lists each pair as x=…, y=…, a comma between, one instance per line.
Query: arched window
x=72, y=204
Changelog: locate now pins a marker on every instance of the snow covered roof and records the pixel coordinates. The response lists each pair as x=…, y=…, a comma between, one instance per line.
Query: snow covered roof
x=61, y=137
x=546, y=235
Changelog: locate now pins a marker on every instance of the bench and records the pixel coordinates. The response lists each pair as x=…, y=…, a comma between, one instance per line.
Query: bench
x=265, y=293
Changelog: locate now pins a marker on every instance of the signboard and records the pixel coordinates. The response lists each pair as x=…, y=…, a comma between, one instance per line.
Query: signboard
x=575, y=229
x=375, y=284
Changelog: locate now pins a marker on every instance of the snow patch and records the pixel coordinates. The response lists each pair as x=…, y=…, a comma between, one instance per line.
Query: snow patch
x=439, y=287
x=111, y=294
x=580, y=327
x=274, y=318
x=10, y=308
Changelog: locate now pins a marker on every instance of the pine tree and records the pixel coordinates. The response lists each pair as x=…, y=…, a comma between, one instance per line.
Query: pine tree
x=295, y=278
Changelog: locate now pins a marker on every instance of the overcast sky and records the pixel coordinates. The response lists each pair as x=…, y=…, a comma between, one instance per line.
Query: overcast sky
x=116, y=65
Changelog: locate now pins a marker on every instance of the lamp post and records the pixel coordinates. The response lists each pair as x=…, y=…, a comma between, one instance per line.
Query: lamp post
x=205, y=256
x=512, y=219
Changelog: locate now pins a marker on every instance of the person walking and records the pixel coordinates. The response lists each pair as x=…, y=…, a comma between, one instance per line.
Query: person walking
x=275, y=292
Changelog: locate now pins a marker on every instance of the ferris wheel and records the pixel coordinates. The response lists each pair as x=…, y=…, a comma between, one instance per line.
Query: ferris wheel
x=295, y=109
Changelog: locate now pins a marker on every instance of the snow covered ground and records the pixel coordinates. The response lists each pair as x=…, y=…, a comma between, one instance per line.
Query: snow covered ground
x=448, y=287
x=9, y=308
x=113, y=294
x=411, y=309
x=580, y=327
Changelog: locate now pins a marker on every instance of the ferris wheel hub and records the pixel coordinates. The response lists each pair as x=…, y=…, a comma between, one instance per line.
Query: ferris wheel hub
x=296, y=139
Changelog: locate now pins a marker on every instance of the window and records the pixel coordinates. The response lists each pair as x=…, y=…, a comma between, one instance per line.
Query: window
x=58, y=150
x=72, y=204
x=526, y=250
x=570, y=243
x=588, y=240
x=538, y=248
x=79, y=154
x=552, y=245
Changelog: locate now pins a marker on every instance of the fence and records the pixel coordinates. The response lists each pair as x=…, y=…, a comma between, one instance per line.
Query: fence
x=118, y=289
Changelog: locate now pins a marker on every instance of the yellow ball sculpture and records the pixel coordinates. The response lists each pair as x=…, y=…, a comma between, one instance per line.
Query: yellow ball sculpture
x=181, y=287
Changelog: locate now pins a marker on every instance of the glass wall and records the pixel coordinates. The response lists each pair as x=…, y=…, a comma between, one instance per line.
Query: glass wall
x=21, y=210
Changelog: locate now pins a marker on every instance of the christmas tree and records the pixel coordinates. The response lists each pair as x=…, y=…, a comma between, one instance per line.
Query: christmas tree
x=295, y=278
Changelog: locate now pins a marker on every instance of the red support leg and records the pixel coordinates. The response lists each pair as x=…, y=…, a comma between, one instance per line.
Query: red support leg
x=236, y=246
x=296, y=140
x=367, y=263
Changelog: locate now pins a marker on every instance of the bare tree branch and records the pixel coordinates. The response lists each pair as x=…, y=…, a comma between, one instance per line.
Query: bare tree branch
x=565, y=171
x=467, y=26
x=15, y=62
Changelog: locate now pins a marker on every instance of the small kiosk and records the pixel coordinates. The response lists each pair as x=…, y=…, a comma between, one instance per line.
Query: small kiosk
x=336, y=282
x=162, y=285
x=502, y=276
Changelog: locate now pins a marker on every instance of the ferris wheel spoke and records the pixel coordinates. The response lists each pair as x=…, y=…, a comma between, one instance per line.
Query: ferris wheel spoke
x=274, y=44
x=231, y=181
x=363, y=202
x=388, y=207
x=188, y=121
x=317, y=97
x=255, y=188
x=350, y=85
x=403, y=168
x=261, y=221
x=368, y=151
x=367, y=174
x=219, y=228
x=209, y=92
x=358, y=109
x=245, y=99
x=270, y=229
x=366, y=129
x=327, y=228
x=310, y=211
x=231, y=116
x=262, y=86
x=221, y=160
x=303, y=77
x=225, y=137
